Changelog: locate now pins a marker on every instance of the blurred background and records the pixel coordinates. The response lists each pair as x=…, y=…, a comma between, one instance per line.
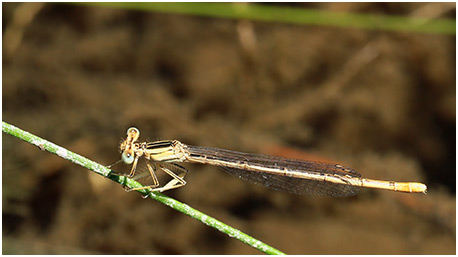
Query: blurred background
x=380, y=101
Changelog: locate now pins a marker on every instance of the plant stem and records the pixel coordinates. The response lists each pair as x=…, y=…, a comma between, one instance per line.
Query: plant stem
x=130, y=183
x=294, y=15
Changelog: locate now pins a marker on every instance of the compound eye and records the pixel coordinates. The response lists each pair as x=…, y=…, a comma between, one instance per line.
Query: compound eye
x=133, y=130
x=127, y=158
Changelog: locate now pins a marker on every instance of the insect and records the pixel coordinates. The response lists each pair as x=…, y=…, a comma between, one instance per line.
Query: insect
x=283, y=174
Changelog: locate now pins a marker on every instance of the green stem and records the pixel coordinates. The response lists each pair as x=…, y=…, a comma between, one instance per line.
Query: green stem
x=130, y=183
x=291, y=15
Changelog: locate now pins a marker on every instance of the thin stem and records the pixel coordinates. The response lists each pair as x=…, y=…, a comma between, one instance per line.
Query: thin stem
x=130, y=183
x=291, y=15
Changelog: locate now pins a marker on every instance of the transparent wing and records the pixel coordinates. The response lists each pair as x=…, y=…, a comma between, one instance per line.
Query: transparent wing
x=279, y=181
x=294, y=185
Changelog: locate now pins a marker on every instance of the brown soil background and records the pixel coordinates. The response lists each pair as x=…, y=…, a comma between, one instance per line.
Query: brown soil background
x=381, y=102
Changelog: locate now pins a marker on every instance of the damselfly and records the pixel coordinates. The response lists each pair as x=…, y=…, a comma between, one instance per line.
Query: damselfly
x=283, y=174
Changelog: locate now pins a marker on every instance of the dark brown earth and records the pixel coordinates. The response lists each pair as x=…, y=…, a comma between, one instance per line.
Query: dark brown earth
x=381, y=102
